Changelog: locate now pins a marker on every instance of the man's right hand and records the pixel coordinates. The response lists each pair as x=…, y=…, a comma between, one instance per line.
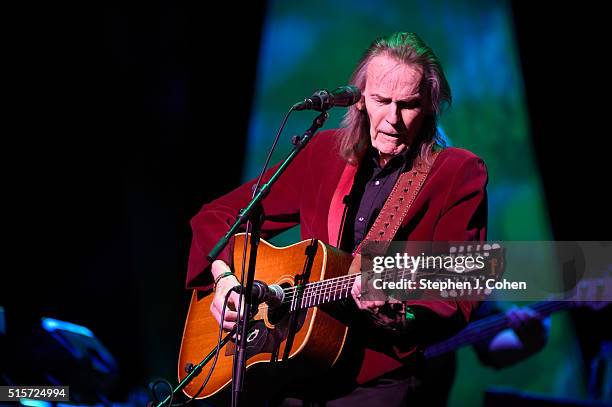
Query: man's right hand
x=223, y=286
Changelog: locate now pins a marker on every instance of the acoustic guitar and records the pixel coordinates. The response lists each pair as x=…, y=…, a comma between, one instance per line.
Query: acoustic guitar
x=298, y=331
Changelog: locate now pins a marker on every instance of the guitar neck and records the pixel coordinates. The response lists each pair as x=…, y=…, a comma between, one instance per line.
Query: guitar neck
x=319, y=292
x=326, y=291
x=489, y=327
x=334, y=289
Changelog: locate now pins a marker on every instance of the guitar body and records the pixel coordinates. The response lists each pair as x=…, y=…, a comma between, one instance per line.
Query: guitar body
x=317, y=338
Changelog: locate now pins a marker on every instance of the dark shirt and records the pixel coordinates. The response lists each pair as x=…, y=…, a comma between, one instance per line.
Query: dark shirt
x=373, y=185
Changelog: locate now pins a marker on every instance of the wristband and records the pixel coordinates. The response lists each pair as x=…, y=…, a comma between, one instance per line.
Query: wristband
x=220, y=276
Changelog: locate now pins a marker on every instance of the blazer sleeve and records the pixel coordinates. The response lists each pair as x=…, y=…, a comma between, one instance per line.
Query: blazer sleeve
x=464, y=215
x=281, y=210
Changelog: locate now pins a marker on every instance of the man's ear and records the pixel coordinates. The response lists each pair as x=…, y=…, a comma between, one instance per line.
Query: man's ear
x=361, y=104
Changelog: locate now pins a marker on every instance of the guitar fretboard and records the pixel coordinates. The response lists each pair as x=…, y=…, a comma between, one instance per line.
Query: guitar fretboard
x=319, y=292
x=335, y=289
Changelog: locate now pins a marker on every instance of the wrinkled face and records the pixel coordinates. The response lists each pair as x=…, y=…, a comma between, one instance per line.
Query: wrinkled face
x=394, y=105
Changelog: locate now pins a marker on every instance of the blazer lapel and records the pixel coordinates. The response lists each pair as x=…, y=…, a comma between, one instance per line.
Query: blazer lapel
x=336, y=208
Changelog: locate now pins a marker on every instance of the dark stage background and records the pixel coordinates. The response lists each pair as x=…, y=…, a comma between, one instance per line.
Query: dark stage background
x=126, y=117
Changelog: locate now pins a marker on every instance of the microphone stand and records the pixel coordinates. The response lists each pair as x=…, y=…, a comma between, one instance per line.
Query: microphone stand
x=254, y=214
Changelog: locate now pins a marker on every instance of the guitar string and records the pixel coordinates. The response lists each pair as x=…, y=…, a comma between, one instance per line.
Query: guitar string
x=337, y=285
x=322, y=291
x=321, y=288
x=311, y=290
x=409, y=264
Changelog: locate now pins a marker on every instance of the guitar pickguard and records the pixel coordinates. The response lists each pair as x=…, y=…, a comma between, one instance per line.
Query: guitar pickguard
x=263, y=339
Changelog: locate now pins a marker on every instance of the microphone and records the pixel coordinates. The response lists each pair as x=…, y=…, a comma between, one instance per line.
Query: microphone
x=270, y=294
x=323, y=99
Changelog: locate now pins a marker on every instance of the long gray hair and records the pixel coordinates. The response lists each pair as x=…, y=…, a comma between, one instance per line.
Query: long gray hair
x=409, y=49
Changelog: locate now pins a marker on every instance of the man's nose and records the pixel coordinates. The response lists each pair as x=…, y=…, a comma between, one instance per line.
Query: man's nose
x=393, y=113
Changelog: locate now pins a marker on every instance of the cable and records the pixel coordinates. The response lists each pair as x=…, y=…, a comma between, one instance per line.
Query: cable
x=212, y=367
x=278, y=133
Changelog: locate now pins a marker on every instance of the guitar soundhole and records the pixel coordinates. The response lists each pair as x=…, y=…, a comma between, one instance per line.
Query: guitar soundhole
x=278, y=313
x=263, y=339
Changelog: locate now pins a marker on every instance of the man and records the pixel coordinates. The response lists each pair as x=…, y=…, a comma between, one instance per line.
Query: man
x=336, y=188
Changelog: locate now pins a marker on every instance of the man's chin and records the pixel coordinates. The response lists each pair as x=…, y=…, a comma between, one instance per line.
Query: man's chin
x=391, y=152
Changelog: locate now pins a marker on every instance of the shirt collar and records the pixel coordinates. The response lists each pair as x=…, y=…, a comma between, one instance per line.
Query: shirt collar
x=399, y=161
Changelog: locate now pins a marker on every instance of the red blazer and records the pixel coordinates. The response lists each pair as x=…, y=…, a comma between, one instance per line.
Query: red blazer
x=451, y=205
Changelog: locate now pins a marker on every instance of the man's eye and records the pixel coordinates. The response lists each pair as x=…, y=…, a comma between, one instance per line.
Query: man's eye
x=411, y=105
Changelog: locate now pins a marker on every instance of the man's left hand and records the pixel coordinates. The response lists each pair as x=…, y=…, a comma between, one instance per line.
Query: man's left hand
x=356, y=292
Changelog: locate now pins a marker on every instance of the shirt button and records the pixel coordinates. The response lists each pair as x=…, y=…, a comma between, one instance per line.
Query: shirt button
x=360, y=219
x=377, y=183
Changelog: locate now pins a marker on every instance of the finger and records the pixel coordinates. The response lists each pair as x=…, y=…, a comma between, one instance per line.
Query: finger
x=230, y=316
x=234, y=298
x=228, y=326
x=513, y=319
x=511, y=312
x=360, y=305
x=216, y=315
x=529, y=311
x=533, y=315
x=356, y=291
x=357, y=283
x=523, y=317
x=372, y=304
x=355, y=296
x=358, y=300
x=217, y=303
x=355, y=288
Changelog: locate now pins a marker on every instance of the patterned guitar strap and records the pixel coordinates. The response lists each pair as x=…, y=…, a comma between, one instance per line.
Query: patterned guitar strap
x=387, y=224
